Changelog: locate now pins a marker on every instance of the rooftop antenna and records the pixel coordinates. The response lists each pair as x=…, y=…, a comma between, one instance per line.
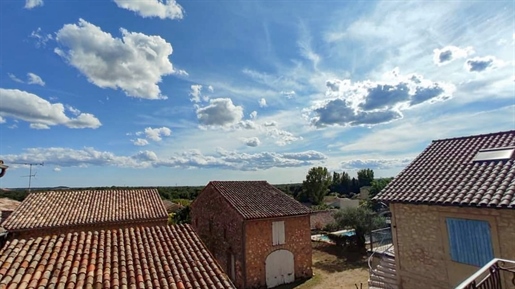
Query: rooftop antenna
x=30, y=171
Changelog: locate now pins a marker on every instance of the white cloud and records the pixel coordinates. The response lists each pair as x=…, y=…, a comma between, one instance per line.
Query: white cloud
x=220, y=112
x=288, y=94
x=39, y=112
x=140, y=142
x=57, y=169
x=376, y=163
x=29, y=4
x=196, y=90
x=480, y=64
x=14, y=78
x=210, y=88
x=223, y=159
x=447, y=54
x=371, y=103
x=252, y=141
x=72, y=110
x=39, y=126
x=262, y=102
x=2, y=120
x=134, y=63
x=253, y=115
x=41, y=39
x=156, y=134
x=283, y=137
x=153, y=8
x=34, y=79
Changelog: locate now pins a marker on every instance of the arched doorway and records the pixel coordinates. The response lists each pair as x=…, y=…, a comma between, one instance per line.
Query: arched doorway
x=280, y=268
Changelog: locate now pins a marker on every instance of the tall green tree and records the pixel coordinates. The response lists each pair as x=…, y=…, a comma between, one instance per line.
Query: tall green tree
x=345, y=183
x=362, y=220
x=365, y=177
x=316, y=185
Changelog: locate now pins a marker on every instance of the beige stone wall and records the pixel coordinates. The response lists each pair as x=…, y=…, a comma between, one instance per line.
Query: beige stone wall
x=422, y=248
x=259, y=246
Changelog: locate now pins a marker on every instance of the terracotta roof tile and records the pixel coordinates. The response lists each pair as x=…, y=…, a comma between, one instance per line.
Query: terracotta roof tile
x=72, y=208
x=258, y=199
x=142, y=257
x=320, y=219
x=445, y=173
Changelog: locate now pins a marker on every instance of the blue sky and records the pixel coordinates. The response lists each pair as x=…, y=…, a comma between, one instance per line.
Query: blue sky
x=180, y=93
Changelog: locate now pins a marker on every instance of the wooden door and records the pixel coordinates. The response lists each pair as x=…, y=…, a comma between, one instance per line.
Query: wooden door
x=279, y=268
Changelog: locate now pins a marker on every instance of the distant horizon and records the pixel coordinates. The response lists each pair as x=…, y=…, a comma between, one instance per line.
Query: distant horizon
x=184, y=92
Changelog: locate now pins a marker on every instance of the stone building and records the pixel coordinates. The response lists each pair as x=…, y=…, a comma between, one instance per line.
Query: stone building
x=103, y=239
x=258, y=234
x=453, y=210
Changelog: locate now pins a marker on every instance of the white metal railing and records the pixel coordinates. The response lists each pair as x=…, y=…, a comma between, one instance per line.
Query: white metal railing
x=489, y=276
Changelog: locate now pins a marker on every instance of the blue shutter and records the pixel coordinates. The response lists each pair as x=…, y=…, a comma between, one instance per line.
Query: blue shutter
x=470, y=241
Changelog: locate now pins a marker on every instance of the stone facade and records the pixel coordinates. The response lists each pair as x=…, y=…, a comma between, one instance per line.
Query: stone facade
x=226, y=233
x=422, y=247
x=221, y=229
x=259, y=246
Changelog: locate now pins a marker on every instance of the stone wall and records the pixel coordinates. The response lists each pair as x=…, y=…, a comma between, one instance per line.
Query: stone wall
x=259, y=246
x=422, y=248
x=220, y=227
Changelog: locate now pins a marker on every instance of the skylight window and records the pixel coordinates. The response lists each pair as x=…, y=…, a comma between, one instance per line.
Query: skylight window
x=494, y=154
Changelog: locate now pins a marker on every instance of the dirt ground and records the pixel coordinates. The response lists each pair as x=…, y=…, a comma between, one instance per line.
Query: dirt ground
x=333, y=270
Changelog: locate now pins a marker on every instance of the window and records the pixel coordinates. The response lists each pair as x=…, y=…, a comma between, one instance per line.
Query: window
x=470, y=241
x=278, y=233
x=494, y=154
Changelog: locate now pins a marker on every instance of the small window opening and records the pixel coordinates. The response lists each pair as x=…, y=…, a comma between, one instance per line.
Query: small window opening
x=494, y=154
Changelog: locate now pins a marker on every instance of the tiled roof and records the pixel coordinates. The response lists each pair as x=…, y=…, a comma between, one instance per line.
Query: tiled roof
x=172, y=207
x=7, y=204
x=141, y=257
x=445, y=173
x=72, y=208
x=258, y=199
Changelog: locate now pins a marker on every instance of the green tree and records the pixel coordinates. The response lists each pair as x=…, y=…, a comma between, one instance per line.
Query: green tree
x=316, y=185
x=362, y=220
x=365, y=177
x=345, y=183
x=181, y=217
x=377, y=186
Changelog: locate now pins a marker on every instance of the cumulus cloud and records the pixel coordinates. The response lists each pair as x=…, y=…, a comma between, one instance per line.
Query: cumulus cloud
x=282, y=137
x=134, y=63
x=153, y=8
x=2, y=120
x=40, y=112
x=371, y=103
x=157, y=133
x=480, y=64
x=210, y=88
x=154, y=134
x=29, y=4
x=252, y=141
x=220, y=112
x=262, y=102
x=447, y=54
x=39, y=126
x=34, y=79
x=57, y=169
x=195, y=93
x=140, y=142
x=223, y=159
x=376, y=163
x=253, y=115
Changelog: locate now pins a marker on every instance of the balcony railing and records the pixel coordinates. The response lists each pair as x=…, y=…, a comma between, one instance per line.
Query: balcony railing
x=495, y=275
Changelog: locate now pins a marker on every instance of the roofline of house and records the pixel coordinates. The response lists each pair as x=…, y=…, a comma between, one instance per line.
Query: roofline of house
x=446, y=205
x=278, y=217
x=474, y=136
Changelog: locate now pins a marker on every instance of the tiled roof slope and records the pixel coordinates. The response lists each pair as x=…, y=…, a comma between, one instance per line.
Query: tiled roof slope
x=258, y=199
x=445, y=173
x=141, y=257
x=72, y=208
